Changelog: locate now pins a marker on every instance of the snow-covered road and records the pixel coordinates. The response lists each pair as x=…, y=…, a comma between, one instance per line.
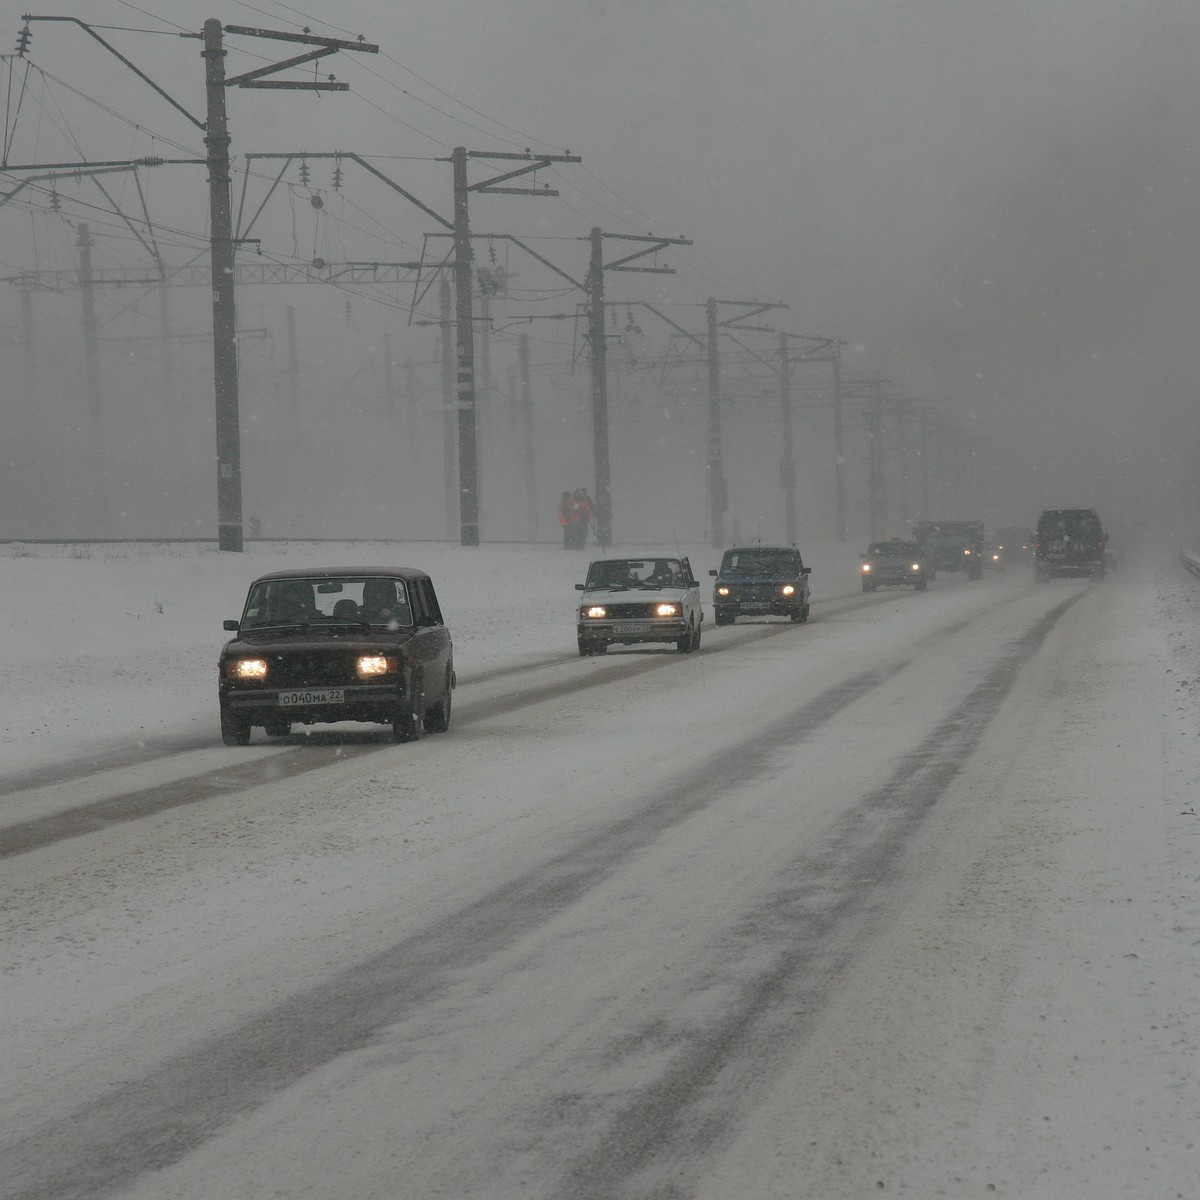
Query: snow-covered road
x=901, y=901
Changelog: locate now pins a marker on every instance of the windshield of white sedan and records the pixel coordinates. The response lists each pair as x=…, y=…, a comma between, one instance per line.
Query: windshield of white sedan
x=760, y=562
x=345, y=600
x=641, y=573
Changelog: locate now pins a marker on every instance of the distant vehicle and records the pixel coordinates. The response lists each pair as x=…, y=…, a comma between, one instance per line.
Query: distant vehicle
x=1013, y=544
x=1069, y=542
x=953, y=545
x=894, y=564
x=627, y=601
x=761, y=581
x=337, y=644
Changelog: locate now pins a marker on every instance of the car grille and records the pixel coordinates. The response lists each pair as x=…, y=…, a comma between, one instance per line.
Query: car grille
x=626, y=612
x=311, y=669
x=755, y=593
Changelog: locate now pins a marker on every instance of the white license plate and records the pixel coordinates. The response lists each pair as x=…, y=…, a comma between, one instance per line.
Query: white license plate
x=634, y=627
x=755, y=607
x=313, y=696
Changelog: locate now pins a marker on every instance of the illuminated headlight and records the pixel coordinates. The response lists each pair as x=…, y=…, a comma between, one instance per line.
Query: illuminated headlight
x=916, y=566
x=995, y=558
x=787, y=589
x=723, y=590
x=596, y=610
x=374, y=664
x=248, y=668
x=666, y=610
x=866, y=568
x=967, y=553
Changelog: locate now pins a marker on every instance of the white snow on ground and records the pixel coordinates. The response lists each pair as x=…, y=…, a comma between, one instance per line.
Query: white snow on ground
x=1036, y=1035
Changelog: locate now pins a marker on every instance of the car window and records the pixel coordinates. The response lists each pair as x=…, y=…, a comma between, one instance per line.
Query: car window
x=326, y=601
x=759, y=562
x=635, y=573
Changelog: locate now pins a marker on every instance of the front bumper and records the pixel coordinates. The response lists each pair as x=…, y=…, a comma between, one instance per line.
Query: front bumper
x=360, y=702
x=629, y=633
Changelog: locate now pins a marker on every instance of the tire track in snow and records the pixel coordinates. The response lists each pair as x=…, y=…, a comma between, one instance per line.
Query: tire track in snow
x=805, y=930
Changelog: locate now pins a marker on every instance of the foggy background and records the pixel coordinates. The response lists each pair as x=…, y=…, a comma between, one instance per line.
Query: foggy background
x=992, y=205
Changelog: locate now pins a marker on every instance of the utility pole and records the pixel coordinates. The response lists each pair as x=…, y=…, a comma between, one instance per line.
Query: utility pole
x=468, y=450
x=787, y=465
x=91, y=348
x=526, y=409
x=410, y=398
x=599, y=346
x=449, y=414
x=718, y=498
x=839, y=448
x=225, y=365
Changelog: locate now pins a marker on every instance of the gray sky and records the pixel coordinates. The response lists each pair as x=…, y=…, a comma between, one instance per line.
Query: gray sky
x=993, y=202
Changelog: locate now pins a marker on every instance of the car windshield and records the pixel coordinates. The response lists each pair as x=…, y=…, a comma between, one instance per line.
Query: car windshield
x=646, y=573
x=327, y=601
x=894, y=549
x=761, y=562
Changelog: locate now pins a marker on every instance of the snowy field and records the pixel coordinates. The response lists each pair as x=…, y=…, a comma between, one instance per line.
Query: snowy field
x=1024, y=1025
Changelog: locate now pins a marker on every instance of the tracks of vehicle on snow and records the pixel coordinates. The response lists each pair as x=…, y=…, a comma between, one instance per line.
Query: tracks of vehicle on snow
x=325, y=748
x=147, y=1124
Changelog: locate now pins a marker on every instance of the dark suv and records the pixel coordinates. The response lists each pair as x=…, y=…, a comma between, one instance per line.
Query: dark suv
x=337, y=644
x=1068, y=542
x=761, y=580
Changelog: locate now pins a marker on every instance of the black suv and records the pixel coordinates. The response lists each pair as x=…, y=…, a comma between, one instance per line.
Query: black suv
x=761, y=580
x=1068, y=542
x=337, y=644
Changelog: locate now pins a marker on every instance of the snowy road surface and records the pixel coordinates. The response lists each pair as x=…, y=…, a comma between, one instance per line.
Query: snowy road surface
x=901, y=902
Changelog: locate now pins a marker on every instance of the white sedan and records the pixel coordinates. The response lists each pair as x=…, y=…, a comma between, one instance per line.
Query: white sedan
x=630, y=600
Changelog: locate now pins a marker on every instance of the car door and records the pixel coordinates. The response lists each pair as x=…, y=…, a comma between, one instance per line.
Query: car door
x=432, y=640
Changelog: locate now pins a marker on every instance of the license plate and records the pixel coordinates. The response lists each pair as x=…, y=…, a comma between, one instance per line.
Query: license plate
x=755, y=607
x=313, y=696
x=634, y=627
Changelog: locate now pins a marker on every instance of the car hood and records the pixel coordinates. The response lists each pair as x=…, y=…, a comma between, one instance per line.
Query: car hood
x=343, y=638
x=633, y=595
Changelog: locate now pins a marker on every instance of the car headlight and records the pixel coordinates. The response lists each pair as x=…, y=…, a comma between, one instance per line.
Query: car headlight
x=596, y=610
x=723, y=590
x=866, y=567
x=666, y=610
x=967, y=553
x=916, y=566
x=375, y=664
x=995, y=558
x=247, y=668
x=787, y=589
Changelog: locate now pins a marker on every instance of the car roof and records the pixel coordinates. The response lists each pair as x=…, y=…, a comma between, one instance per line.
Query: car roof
x=764, y=549
x=337, y=572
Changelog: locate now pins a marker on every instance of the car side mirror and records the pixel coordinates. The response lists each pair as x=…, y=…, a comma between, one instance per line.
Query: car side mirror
x=862, y=556
x=712, y=573
x=231, y=626
x=579, y=587
x=806, y=570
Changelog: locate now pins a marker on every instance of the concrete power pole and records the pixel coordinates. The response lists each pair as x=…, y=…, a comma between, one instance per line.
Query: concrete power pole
x=839, y=448
x=718, y=499
x=526, y=410
x=599, y=346
x=787, y=465
x=225, y=366
x=468, y=451
x=91, y=346
x=449, y=414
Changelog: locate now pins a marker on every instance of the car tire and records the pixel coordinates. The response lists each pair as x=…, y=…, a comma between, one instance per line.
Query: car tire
x=868, y=587
x=278, y=728
x=235, y=731
x=437, y=716
x=687, y=643
x=410, y=724
x=723, y=616
x=696, y=639
x=922, y=584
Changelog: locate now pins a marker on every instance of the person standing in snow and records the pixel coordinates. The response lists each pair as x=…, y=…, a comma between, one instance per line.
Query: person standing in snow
x=581, y=517
x=564, y=519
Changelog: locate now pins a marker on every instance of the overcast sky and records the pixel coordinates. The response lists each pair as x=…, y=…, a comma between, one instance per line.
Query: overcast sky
x=992, y=201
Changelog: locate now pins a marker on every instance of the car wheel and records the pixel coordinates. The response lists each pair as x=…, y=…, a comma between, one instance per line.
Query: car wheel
x=687, y=643
x=724, y=616
x=696, y=639
x=868, y=587
x=1098, y=573
x=409, y=725
x=922, y=585
x=280, y=727
x=235, y=731
x=437, y=716
x=1039, y=576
